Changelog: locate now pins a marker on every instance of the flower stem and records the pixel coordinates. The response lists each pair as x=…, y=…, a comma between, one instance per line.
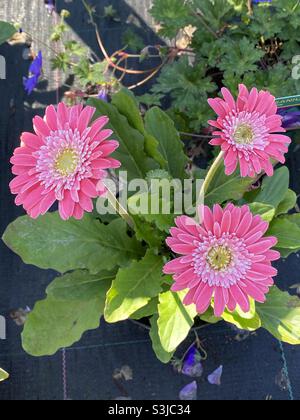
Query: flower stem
x=119, y=208
x=211, y=173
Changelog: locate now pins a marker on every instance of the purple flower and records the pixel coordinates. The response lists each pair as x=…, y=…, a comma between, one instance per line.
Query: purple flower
x=103, y=95
x=189, y=392
x=290, y=119
x=192, y=365
x=30, y=84
x=216, y=376
x=50, y=5
x=35, y=71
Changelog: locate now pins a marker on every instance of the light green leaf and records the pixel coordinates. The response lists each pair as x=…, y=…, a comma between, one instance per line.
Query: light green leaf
x=6, y=31
x=57, y=323
x=160, y=126
x=280, y=315
x=288, y=203
x=134, y=287
x=287, y=233
x=127, y=105
x=132, y=143
x=79, y=285
x=274, y=189
x=148, y=310
x=266, y=211
x=175, y=319
x=224, y=188
x=50, y=242
x=3, y=375
x=160, y=352
x=244, y=321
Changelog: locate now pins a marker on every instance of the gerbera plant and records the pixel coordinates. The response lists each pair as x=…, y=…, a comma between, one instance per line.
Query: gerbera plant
x=173, y=269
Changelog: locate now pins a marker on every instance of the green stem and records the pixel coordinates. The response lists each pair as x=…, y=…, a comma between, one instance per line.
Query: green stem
x=211, y=173
x=119, y=208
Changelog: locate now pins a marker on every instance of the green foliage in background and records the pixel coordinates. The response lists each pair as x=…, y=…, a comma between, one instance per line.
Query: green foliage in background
x=230, y=44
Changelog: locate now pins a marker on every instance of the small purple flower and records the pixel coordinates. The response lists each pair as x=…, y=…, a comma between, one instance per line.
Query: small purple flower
x=290, y=119
x=30, y=84
x=103, y=95
x=189, y=392
x=50, y=5
x=35, y=71
x=192, y=365
x=216, y=376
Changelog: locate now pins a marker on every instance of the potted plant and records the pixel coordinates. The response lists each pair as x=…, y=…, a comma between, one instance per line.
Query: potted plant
x=137, y=260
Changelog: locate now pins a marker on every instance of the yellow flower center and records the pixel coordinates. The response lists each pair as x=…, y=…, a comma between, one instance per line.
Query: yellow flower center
x=66, y=162
x=219, y=258
x=244, y=134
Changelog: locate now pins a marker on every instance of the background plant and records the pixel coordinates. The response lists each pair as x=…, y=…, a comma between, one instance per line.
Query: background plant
x=232, y=41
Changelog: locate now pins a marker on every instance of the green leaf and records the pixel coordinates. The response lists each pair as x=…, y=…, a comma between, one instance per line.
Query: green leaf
x=171, y=14
x=128, y=106
x=274, y=189
x=160, y=126
x=3, y=375
x=50, y=242
x=146, y=232
x=175, y=320
x=79, y=285
x=224, y=188
x=134, y=287
x=210, y=317
x=148, y=310
x=56, y=323
x=266, y=211
x=132, y=143
x=287, y=233
x=162, y=221
x=160, y=352
x=6, y=31
x=245, y=321
x=288, y=203
x=280, y=315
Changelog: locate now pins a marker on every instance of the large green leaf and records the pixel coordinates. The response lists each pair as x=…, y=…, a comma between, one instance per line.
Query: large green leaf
x=79, y=285
x=6, y=31
x=3, y=375
x=160, y=126
x=60, y=320
x=280, y=315
x=134, y=287
x=287, y=232
x=224, y=188
x=131, y=152
x=175, y=320
x=274, y=189
x=50, y=242
x=128, y=106
x=160, y=352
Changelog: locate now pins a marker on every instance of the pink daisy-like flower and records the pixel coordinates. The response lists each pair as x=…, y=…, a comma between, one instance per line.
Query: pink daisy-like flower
x=65, y=161
x=226, y=258
x=247, y=131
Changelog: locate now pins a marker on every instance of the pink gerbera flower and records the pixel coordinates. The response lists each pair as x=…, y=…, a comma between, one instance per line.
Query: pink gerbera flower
x=247, y=128
x=65, y=161
x=225, y=259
